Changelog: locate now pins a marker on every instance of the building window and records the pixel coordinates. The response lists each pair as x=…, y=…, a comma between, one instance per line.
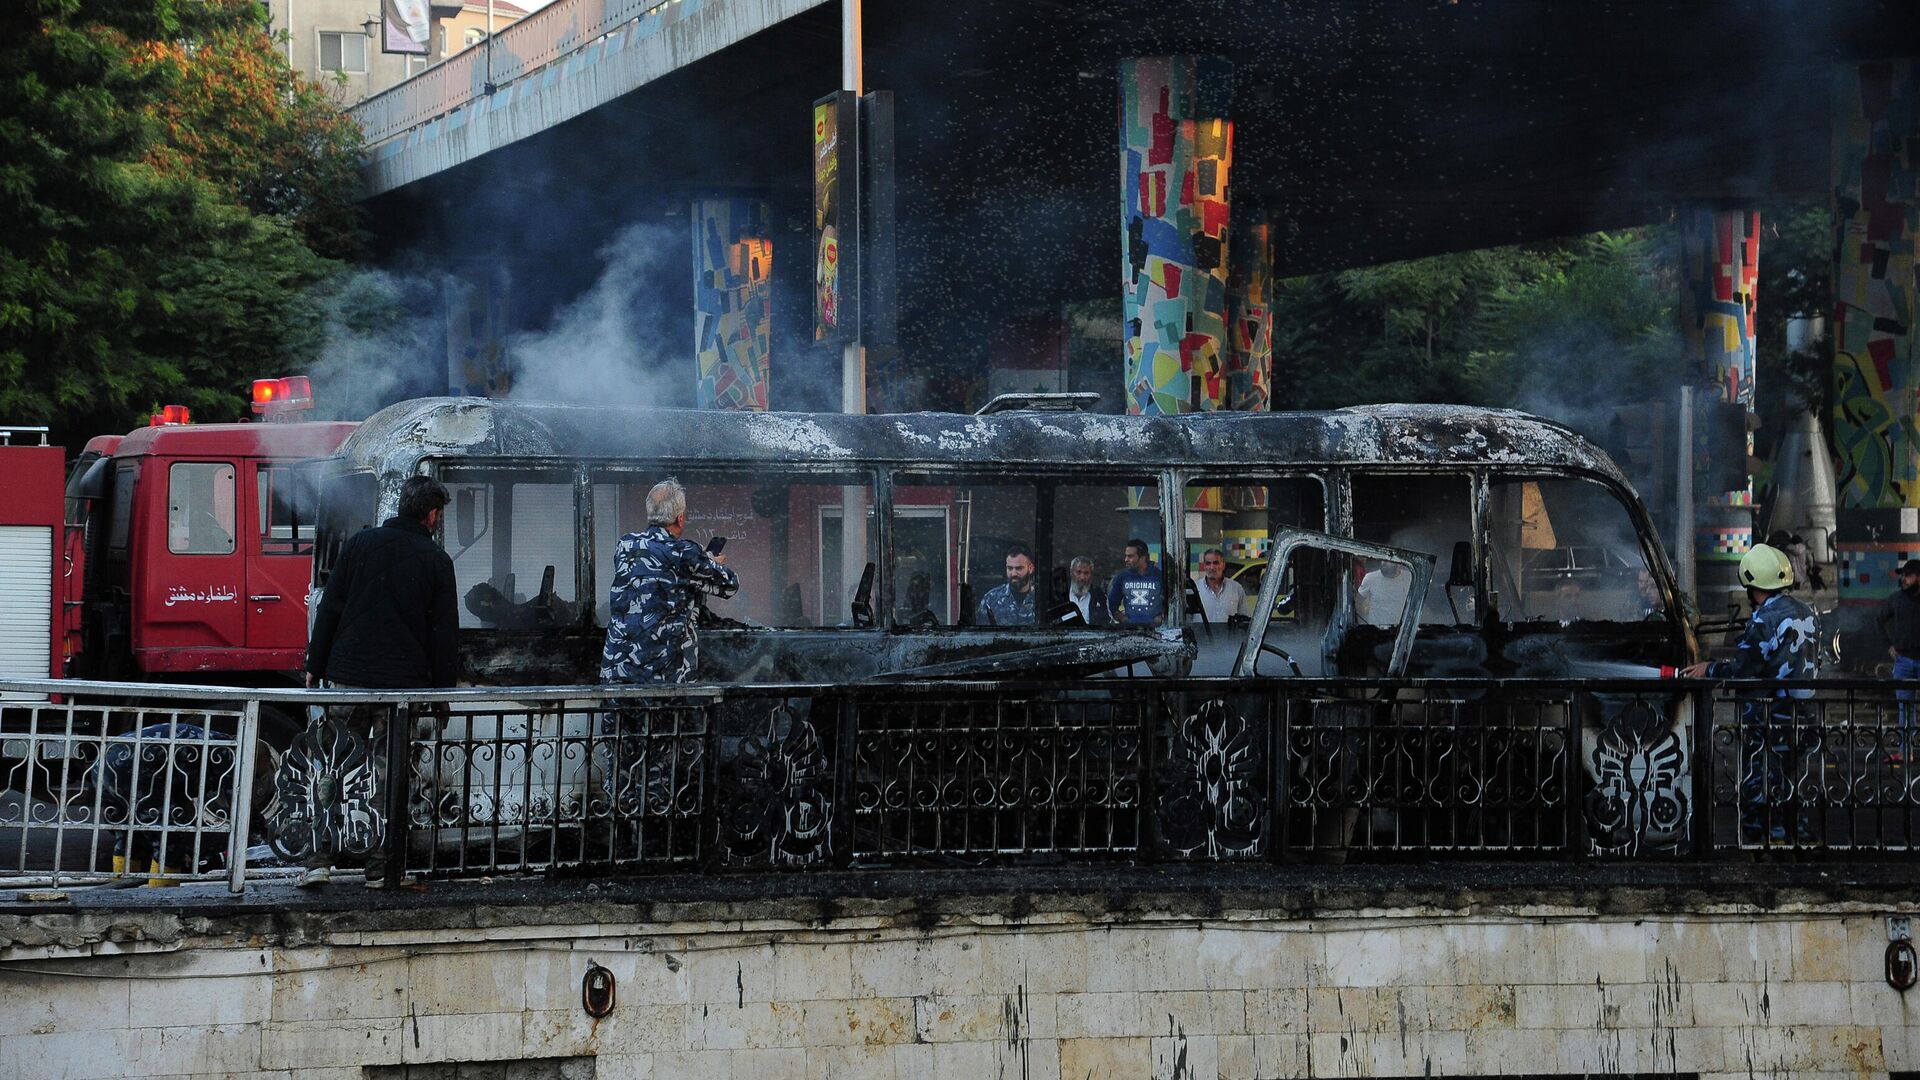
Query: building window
x=343, y=51
x=475, y=36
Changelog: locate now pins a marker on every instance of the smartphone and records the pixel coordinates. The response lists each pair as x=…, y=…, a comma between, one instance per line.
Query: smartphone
x=716, y=545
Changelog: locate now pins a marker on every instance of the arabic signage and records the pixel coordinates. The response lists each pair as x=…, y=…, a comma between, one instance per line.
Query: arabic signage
x=214, y=594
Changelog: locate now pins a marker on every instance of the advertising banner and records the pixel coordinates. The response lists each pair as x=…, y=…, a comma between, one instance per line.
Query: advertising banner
x=835, y=184
x=406, y=26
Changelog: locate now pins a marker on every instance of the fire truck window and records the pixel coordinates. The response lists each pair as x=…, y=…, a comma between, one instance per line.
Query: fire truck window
x=511, y=535
x=286, y=511
x=200, y=519
x=786, y=540
x=1426, y=513
x=123, y=481
x=1564, y=549
x=955, y=538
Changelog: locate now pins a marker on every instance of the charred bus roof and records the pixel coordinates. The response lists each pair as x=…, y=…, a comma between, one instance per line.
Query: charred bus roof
x=394, y=440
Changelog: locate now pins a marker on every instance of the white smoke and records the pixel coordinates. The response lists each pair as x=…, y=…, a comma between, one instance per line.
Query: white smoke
x=620, y=342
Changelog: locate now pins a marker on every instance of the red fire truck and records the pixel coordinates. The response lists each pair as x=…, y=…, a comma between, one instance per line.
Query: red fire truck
x=183, y=551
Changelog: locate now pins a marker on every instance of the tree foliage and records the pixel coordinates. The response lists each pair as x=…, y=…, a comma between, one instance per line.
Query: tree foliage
x=157, y=221
x=1556, y=327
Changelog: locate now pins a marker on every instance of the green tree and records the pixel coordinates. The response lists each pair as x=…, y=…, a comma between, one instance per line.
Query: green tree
x=131, y=270
x=1594, y=327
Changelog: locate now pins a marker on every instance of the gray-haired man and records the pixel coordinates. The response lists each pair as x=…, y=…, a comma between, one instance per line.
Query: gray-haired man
x=651, y=636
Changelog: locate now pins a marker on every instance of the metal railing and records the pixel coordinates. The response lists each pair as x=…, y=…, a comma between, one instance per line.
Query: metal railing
x=794, y=777
x=112, y=790
x=546, y=36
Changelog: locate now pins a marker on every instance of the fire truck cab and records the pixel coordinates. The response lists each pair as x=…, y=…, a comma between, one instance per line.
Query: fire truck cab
x=198, y=544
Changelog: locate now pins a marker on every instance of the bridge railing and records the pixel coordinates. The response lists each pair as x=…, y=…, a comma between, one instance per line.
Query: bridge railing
x=797, y=777
x=544, y=37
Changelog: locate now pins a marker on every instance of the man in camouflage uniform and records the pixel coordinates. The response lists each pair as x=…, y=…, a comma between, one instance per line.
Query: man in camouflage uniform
x=1780, y=642
x=1010, y=604
x=651, y=633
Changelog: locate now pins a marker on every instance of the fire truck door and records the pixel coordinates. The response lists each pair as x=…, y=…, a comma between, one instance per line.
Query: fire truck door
x=195, y=581
x=280, y=558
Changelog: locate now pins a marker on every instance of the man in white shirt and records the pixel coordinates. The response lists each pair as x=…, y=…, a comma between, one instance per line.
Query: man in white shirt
x=1221, y=597
x=1383, y=594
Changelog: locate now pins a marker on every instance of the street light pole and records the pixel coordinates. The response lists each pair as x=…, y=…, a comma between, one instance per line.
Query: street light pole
x=853, y=359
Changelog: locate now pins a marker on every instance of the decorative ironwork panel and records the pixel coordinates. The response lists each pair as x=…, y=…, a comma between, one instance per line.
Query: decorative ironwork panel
x=1639, y=799
x=571, y=783
x=1824, y=770
x=776, y=786
x=327, y=799
x=1432, y=774
x=94, y=790
x=998, y=775
x=1213, y=801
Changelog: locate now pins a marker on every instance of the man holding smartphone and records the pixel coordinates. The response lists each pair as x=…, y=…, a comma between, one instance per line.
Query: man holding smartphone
x=652, y=634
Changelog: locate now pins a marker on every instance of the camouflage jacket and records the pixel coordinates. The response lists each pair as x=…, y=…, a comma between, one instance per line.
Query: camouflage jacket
x=651, y=635
x=1001, y=608
x=1780, y=643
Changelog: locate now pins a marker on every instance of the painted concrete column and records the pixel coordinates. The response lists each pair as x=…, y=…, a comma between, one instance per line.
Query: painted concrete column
x=732, y=302
x=1176, y=149
x=1720, y=251
x=1876, y=365
x=1250, y=316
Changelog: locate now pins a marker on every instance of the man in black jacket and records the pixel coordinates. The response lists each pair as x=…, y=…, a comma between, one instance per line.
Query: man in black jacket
x=386, y=622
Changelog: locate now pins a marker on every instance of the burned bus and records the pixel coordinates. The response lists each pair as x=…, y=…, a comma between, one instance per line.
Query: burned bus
x=1394, y=540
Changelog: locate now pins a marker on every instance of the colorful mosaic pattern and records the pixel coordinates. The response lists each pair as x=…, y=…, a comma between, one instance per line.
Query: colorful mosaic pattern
x=1245, y=545
x=1723, y=543
x=1876, y=215
x=1868, y=570
x=1250, y=317
x=1721, y=249
x=732, y=302
x=1175, y=155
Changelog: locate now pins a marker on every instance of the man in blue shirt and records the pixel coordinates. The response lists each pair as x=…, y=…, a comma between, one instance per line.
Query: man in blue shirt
x=1010, y=604
x=1134, y=597
x=651, y=633
x=1780, y=642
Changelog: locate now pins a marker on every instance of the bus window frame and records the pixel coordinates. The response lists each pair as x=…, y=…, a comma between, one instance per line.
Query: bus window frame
x=573, y=472
x=1182, y=479
x=920, y=474
x=591, y=469
x=1651, y=555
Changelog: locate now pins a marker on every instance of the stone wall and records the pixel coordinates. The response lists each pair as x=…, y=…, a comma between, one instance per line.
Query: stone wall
x=1233, y=994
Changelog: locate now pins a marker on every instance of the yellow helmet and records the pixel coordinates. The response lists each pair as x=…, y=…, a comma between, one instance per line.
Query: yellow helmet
x=1765, y=568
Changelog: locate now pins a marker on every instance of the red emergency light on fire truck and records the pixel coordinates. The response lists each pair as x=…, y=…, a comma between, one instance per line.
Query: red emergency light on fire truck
x=184, y=549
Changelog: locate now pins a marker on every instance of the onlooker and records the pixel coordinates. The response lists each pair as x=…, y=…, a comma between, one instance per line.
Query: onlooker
x=651, y=632
x=920, y=602
x=1780, y=642
x=1010, y=604
x=1135, y=597
x=1899, y=620
x=1382, y=596
x=386, y=621
x=1083, y=596
x=1221, y=597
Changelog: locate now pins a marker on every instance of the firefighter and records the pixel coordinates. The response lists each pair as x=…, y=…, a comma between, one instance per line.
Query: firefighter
x=1780, y=642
